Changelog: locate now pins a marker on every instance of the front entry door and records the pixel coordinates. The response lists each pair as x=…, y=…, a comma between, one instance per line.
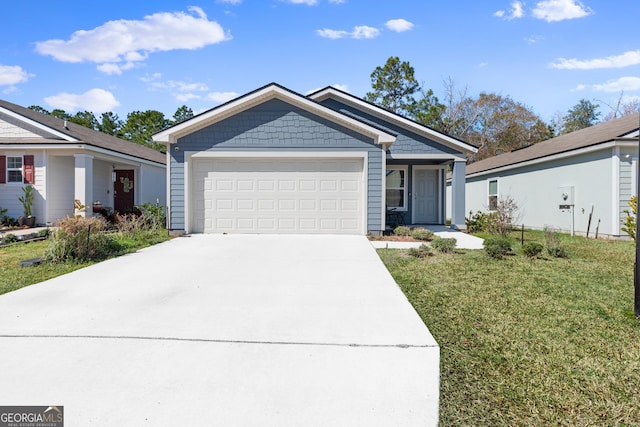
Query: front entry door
x=123, y=195
x=426, y=196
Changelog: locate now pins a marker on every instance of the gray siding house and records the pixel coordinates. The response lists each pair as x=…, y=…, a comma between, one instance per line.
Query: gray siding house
x=275, y=161
x=578, y=182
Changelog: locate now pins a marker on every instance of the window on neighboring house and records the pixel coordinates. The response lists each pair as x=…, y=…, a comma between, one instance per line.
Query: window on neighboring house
x=396, y=185
x=14, y=169
x=493, y=195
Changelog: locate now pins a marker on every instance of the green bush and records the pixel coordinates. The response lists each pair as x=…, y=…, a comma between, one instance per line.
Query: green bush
x=154, y=216
x=558, y=252
x=444, y=245
x=9, y=238
x=401, y=230
x=422, y=234
x=553, y=244
x=80, y=239
x=497, y=247
x=532, y=249
x=44, y=233
x=421, y=252
x=480, y=221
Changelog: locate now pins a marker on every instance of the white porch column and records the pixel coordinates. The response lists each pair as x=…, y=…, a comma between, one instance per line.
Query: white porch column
x=458, y=184
x=84, y=182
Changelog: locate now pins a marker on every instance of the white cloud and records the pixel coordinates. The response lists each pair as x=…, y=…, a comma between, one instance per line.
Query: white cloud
x=221, y=97
x=13, y=74
x=181, y=91
x=337, y=1
x=559, y=10
x=619, y=85
x=120, y=45
x=627, y=59
x=229, y=1
x=359, y=32
x=399, y=25
x=94, y=100
x=533, y=39
x=517, y=11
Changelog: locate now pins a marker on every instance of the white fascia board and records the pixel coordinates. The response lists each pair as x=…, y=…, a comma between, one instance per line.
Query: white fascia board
x=277, y=154
x=559, y=156
x=397, y=119
x=86, y=147
x=392, y=156
x=37, y=125
x=171, y=135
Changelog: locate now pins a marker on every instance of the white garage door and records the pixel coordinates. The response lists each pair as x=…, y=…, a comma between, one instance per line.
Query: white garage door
x=278, y=195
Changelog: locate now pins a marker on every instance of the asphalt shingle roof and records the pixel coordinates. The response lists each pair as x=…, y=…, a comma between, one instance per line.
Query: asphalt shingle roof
x=597, y=134
x=85, y=135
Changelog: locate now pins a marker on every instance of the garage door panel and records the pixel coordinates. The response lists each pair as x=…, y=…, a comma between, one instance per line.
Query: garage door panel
x=278, y=195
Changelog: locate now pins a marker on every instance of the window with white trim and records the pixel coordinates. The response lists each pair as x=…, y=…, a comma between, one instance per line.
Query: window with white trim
x=14, y=169
x=493, y=195
x=396, y=187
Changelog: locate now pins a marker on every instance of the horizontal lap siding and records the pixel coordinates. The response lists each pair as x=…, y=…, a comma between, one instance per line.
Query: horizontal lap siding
x=276, y=126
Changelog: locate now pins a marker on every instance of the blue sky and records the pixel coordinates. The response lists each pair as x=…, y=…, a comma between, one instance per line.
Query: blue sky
x=123, y=56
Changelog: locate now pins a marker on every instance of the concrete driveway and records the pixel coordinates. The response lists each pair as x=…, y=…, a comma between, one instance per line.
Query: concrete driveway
x=223, y=330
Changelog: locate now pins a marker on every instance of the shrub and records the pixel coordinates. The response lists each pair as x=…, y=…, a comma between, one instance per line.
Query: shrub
x=553, y=245
x=532, y=249
x=446, y=245
x=505, y=215
x=479, y=222
x=401, y=230
x=497, y=247
x=9, y=238
x=421, y=252
x=557, y=252
x=422, y=234
x=80, y=239
x=629, y=226
x=154, y=216
x=44, y=233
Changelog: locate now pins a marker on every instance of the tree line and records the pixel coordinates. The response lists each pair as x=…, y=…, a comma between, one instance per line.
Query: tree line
x=492, y=122
x=138, y=127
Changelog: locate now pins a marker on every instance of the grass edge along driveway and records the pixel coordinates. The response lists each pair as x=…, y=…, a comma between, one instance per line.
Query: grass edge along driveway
x=546, y=341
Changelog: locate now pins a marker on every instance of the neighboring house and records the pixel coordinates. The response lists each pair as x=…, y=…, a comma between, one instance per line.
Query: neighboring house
x=65, y=162
x=564, y=181
x=275, y=161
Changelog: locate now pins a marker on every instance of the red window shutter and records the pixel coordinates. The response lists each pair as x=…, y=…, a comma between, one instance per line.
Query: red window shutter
x=3, y=169
x=29, y=170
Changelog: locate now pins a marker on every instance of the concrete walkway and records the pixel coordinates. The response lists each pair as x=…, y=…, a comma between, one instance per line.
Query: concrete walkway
x=223, y=330
x=463, y=240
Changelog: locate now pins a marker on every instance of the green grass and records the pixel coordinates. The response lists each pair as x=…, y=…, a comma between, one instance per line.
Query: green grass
x=543, y=341
x=13, y=277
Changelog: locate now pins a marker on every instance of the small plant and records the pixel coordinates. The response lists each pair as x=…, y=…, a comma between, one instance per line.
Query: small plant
x=422, y=234
x=44, y=233
x=401, y=230
x=553, y=245
x=9, y=238
x=497, y=247
x=557, y=252
x=444, y=245
x=532, y=249
x=422, y=251
x=27, y=200
x=80, y=239
x=505, y=215
x=479, y=222
x=629, y=224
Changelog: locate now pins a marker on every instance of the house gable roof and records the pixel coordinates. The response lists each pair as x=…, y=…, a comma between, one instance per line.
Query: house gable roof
x=261, y=95
x=411, y=125
x=622, y=129
x=57, y=131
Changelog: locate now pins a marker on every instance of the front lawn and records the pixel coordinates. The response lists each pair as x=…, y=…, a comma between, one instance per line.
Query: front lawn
x=13, y=277
x=546, y=341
